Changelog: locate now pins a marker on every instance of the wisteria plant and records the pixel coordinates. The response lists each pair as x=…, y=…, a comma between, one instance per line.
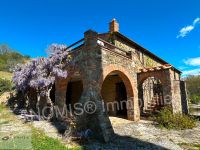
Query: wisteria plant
x=40, y=74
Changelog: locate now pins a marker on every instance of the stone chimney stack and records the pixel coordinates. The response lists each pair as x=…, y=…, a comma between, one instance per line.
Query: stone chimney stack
x=114, y=26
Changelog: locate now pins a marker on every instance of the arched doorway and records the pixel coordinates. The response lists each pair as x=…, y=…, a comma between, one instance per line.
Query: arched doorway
x=73, y=92
x=116, y=90
x=151, y=95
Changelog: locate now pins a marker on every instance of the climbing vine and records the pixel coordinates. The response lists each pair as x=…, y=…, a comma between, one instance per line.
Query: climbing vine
x=39, y=74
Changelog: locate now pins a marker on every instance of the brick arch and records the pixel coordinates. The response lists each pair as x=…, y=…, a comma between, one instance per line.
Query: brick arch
x=133, y=112
x=144, y=76
x=124, y=75
x=151, y=102
x=61, y=85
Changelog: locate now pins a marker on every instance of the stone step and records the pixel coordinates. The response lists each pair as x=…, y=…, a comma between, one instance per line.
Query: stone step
x=151, y=103
x=148, y=111
x=151, y=106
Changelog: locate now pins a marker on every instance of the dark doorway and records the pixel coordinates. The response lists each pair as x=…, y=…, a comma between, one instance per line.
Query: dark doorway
x=52, y=94
x=74, y=91
x=121, y=98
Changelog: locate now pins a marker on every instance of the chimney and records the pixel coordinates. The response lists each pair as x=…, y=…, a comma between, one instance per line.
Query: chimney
x=114, y=26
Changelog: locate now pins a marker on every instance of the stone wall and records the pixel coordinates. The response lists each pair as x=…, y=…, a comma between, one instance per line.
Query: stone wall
x=126, y=69
x=173, y=90
x=87, y=62
x=142, y=59
x=176, y=100
x=92, y=64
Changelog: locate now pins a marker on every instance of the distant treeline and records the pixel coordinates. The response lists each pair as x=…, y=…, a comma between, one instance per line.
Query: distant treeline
x=193, y=88
x=10, y=57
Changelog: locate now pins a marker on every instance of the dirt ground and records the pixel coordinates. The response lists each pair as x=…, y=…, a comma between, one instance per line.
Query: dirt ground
x=144, y=135
x=128, y=135
x=137, y=135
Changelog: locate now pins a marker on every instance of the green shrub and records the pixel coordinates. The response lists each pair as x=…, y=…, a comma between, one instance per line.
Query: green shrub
x=195, y=99
x=167, y=119
x=193, y=86
x=5, y=85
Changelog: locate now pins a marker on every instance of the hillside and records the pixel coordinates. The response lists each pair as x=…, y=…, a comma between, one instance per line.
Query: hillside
x=10, y=57
x=6, y=75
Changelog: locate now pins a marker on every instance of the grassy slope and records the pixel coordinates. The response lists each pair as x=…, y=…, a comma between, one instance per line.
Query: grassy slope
x=5, y=75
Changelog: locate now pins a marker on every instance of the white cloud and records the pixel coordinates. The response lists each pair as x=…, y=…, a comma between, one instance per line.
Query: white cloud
x=197, y=20
x=185, y=30
x=182, y=67
x=191, y=72
x=193, y=61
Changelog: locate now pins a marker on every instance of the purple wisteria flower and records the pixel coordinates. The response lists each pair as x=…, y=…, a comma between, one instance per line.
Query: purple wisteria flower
x=40, y=73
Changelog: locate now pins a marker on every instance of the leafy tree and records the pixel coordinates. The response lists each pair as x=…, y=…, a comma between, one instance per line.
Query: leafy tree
x=5, y=49
x=193, y=88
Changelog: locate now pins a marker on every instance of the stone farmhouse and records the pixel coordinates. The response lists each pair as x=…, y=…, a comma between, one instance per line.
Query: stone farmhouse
x=113, y=69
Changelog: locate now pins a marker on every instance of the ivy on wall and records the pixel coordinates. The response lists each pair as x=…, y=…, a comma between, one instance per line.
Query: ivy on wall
x=150, y=62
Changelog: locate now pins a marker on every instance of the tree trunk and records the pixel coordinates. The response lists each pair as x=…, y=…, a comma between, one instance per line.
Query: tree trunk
x=38, y=103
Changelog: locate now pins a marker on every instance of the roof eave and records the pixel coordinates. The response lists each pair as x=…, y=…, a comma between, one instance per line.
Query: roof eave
x=144, y=50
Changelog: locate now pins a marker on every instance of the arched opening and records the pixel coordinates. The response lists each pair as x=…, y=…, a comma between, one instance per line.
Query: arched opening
x=115, y=91
x=151, y=95
x=74, y=91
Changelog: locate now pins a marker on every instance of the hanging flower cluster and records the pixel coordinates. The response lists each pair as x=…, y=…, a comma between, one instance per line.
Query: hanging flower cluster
x=40, y=73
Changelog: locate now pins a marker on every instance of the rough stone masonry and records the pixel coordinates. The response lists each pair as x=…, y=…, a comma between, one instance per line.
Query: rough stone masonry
x=111, y=68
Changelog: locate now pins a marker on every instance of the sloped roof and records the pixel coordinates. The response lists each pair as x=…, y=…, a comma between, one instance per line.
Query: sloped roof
x=131, y=42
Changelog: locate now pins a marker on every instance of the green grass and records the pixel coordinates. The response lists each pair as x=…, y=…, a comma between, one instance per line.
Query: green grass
x=35, y=138
x=2, y=108
x=197, y=146
x=4, y=122
x=41, y=141
x=6, y=75
x=189, y=146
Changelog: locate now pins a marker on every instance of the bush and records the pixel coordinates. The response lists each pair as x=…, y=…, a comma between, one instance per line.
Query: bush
x=5, y=85
x=195, y=99
x=193, y=87
x=167, y=119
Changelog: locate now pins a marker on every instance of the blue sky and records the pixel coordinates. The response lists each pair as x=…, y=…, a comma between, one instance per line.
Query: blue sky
x=168, y=28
